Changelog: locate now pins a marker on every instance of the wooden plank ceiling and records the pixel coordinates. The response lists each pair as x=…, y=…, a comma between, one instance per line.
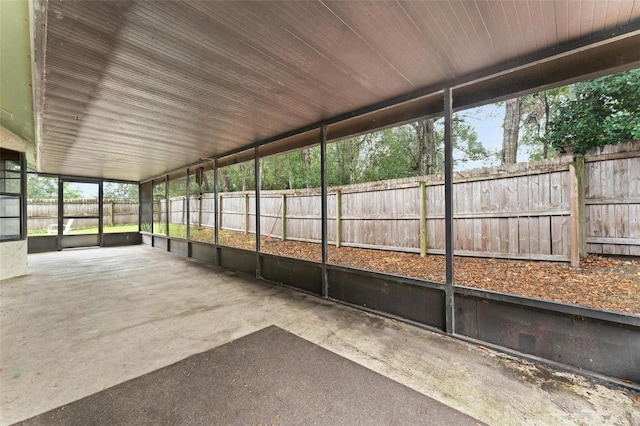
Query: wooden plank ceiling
x=132, y=89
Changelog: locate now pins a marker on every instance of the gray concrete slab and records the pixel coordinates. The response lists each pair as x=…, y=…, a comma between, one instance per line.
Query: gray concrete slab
x=86, y=320
x=270, y=376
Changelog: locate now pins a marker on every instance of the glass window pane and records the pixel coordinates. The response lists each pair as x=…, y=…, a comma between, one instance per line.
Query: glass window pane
x=237, y=198
x=159, y=208
x=10, y=183
x=291, y=204
x=9, y=228
x=42, y=205
x=513, y=222
x=202, y=205
x=120, y=207
x=146, y=202
x=178, y=207
x=9, y=206
x=385, y=200
x=80, y=199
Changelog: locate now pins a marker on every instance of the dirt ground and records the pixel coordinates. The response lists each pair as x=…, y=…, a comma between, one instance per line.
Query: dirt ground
x=601, y=282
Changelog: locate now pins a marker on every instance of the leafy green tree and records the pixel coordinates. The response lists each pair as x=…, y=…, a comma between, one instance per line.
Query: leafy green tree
x=598, y=112
x=177, y=187
x=46, y=188
x=237, y=177
x=291, y=170
x=119, y=191
x=347, y=160
x=414, y=149
x=42, y=187
x=536, y=113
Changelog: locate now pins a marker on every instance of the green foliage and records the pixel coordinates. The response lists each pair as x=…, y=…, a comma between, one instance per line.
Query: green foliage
x=120, y=191
x=41, y=187
x=602, y=111
x=177, y=187
x=387, y=154
x=536, y=110
x=46, y=188
x=292, y=170
x=159, y=191
x=238, y=177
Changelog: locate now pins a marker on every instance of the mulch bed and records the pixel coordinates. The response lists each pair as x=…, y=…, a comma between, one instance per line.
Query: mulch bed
x=601, y=282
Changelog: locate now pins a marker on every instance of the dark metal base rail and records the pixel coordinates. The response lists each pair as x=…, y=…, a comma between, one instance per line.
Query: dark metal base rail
x=600, y=344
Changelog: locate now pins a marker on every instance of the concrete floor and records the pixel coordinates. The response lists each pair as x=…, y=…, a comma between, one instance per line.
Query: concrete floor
x=85, y=320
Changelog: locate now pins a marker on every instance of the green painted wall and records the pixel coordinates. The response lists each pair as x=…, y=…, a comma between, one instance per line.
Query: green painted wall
x=16, y=96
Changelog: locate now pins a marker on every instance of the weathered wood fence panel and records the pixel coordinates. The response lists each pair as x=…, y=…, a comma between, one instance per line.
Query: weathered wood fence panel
x=612, y=186
x=385, y=218
x=42, y=213
x=233, y=211
x=515, y=212
x=521, y=211
x=120, y=212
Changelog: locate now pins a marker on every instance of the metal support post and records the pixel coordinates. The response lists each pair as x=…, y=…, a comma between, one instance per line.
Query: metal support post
x=256, y=167
x=448, y=207
x=323, y=189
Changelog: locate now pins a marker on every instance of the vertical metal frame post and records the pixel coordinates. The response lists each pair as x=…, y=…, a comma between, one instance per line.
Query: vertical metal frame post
x=23, y=196
x=167, y=207
x=101, y=211
x=448, y=208
x=188, y=207
x=140, y=205
x=256, y=166
x=323, y=192
x=216, y=205
x=60, y=212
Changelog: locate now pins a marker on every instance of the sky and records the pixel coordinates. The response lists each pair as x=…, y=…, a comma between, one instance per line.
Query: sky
x=487, y=121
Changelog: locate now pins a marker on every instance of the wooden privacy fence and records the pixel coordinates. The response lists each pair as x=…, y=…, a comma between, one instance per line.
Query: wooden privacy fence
x=612, y=184
x=557, y=210
x=42, y=213
x=523, y=211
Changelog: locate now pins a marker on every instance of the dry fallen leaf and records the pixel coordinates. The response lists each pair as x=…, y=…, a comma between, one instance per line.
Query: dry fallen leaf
x=601, y=282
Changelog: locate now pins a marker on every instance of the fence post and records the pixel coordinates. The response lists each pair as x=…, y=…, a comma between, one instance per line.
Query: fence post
x=423, y=219
x=284, y=217
x=574, y=231
x=246, y=214
x=338, y=218
x=582, y=206
x=111, y=214
x=220, y=212
x=184, y=211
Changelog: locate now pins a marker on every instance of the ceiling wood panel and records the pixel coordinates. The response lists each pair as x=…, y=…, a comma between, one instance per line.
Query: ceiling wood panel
x=132, y=89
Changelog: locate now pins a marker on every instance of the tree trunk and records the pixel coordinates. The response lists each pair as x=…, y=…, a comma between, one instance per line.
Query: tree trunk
x=226, y=184
x=511, y=127
x=352, y=162
x=243, y=176
x=547, y=108
x=306, y=164
x=427, y=147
